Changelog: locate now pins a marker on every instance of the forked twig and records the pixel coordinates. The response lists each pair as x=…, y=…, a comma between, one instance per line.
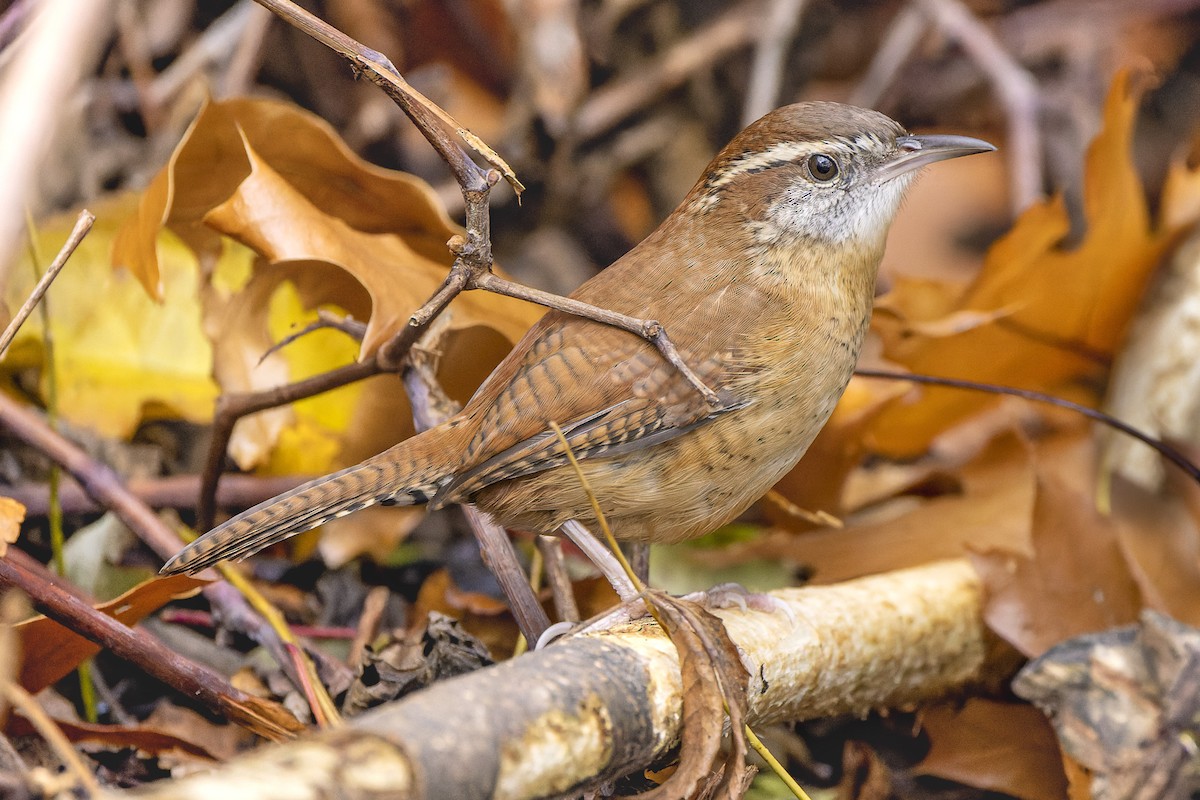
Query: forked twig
x=649, y=329
x=473, y=254
x=232, y=407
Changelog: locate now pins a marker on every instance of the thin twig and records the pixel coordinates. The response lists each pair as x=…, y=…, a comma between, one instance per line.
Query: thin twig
x=137, y=647
x=613, y=102
x=554, y=567
x=1015, y=86
x=1165, y=450
x=325, y=321
x=210, y=47
x=82, y=225
x=13, y=20
x=247, y=56
x=770, y=58
x=98, y=480
x=370, y=621
x=194, y=618
x=648, y=329
x=431, y=407
x=172, y=491
x=903, y=36
x=232, y=407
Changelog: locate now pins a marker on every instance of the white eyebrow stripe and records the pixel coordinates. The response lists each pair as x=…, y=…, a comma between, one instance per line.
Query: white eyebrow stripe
x=774, y=156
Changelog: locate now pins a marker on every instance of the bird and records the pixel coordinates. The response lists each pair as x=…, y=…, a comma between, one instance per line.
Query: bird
x=763, y=278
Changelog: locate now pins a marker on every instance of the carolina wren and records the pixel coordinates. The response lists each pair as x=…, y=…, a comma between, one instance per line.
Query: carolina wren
x=763, y=277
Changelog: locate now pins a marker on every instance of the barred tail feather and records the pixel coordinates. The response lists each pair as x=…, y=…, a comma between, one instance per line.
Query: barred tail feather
x=383, y=479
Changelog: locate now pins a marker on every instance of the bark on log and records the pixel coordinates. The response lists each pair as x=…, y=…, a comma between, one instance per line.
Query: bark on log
x=603, y=705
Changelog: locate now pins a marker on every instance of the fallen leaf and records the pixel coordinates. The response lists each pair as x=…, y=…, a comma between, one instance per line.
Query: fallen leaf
x=146, y=738
x=269, y=215
x=993, y=745
x=12, y=514
x=119, y=356
x=1066, y=309
x=1076, y=581
x=50, y=651
x=92, y=558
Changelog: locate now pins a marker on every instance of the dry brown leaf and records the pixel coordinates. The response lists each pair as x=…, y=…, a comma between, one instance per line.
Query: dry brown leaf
x=210, y=162
x=713, y=679
x=269, y=215
x=1161, y=543
x=1068, y=309
x=146, y=738
x=50, y=651
x=1001, y=747
x=865, y=776
x=1077, y=580
x=12, y=514
x=993, y=509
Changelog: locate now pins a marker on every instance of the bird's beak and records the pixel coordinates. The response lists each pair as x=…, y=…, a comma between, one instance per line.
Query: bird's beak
x=914, y=152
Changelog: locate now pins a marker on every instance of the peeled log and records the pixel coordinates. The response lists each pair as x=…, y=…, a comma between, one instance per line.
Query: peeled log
x=605, y=704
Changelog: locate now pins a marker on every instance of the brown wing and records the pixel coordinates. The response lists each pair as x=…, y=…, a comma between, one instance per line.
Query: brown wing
x=607, y=389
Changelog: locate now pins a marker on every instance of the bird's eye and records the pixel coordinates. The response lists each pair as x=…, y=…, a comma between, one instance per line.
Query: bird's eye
x=823, y=168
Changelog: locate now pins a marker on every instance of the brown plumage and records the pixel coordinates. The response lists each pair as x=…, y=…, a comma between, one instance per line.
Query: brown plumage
x=763, y=278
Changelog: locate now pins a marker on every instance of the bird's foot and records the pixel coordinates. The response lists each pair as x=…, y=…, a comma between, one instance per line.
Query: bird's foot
x=734, y=595
x=722, y=596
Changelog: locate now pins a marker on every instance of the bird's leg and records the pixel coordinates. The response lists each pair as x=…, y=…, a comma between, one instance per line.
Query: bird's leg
x=430, y=406
x=602, y=557
x=554, y=570
x=638, y=556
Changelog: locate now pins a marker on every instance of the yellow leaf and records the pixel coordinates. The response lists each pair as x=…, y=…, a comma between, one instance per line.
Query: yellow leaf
x=330, y=231
x=120, y=355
